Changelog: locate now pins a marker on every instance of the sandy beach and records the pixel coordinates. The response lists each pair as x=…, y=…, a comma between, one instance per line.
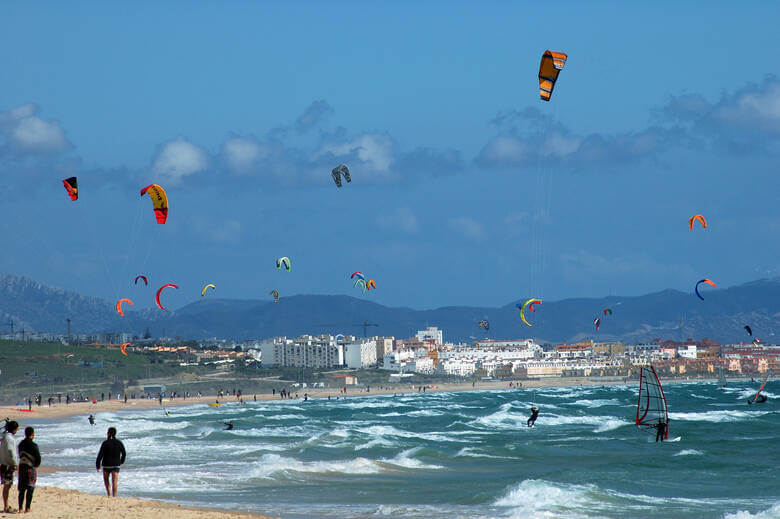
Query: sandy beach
x=55, y=503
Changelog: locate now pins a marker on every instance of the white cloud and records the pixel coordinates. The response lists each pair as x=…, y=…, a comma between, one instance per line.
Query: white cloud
x=177, y=159
x=757, y=108
x=26, y=133
x=467, y=227
x=506, y=149
x=375, y=150
x=241, y=154
x=401, y=218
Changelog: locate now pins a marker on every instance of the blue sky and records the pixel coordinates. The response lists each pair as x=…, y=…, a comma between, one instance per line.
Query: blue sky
x=467, y=189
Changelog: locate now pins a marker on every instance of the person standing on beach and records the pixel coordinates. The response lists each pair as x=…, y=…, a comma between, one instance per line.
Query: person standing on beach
x=29, y=460
x=9, y=460
x=111, y=456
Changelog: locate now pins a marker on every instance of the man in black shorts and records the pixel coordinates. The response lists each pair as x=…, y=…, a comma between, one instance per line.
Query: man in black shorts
x=29, y=461
x=111, y=456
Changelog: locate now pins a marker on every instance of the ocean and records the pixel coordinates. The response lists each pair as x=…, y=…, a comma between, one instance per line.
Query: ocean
x=445, y=455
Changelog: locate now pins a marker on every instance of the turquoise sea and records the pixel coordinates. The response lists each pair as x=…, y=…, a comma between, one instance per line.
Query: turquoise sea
x=446, y=455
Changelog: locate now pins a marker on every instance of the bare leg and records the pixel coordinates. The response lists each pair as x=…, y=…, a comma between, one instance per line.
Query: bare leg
x=105, y=480
x=114, y=478
x=6, y=490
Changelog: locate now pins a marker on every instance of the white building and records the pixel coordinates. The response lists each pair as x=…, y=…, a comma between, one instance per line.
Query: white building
x=397, y=360
x=421, y=365
x=431, y=333
x=518, y=344
x=687, y=352
x=305, y=351
x=360, y=354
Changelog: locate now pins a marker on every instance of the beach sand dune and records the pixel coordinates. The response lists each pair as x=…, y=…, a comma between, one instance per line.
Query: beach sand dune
x=55, y=503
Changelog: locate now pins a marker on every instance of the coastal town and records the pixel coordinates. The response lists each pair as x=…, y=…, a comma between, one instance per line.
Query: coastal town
x=428, y=353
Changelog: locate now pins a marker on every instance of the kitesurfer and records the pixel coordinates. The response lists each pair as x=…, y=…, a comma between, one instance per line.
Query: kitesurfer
x=534, y=415
x=661, y=430
x=91, y=420
x=228, y=425
x=760, y=399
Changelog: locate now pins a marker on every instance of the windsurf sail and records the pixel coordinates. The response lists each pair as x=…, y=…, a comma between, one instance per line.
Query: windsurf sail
x=721, y=378
x=763, y=385
x=651, y=408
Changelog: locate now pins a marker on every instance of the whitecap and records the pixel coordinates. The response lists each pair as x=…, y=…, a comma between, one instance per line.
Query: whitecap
x=689, y=452
x=771, y=513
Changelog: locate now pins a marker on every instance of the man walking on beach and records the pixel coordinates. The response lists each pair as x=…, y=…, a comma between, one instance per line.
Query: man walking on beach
x=29, y=460
x=9, y=460
x=111, y=456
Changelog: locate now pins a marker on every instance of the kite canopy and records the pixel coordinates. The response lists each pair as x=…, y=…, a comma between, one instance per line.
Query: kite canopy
x=607, y=311
x=358, y=274
x=484, y=324
x=146, y=281
x=597, y=323
x=71, y=185
x=696, y=289
x=551, y=65
x=159, y=200
x=360, y=282
x=370, y=284
x=698, y=217
x=530, y=306
x=339, y=170
x=749, y=330
x=159, y=291
x=203, y=292
x=274, y=293
x=123, y=348
x=283, y=261
x=119, y=306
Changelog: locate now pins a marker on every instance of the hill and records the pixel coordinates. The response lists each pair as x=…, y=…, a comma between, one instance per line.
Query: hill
x=668, y=314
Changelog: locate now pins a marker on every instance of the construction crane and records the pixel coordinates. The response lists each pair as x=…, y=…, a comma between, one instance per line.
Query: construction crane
x=365, y=325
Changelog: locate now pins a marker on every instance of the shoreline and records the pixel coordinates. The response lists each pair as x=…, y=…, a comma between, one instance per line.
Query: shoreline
x=44, y=412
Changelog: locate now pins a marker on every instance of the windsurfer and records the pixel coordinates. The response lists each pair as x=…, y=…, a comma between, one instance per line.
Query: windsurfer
x=661, y=427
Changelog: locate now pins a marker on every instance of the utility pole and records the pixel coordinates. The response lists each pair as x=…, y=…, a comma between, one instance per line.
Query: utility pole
x=68, y=319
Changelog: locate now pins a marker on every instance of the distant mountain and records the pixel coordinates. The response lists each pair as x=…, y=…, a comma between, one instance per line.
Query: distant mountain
x=669, y=314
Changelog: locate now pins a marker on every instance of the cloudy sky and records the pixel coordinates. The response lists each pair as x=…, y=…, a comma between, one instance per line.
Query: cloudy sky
x=466, y=188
